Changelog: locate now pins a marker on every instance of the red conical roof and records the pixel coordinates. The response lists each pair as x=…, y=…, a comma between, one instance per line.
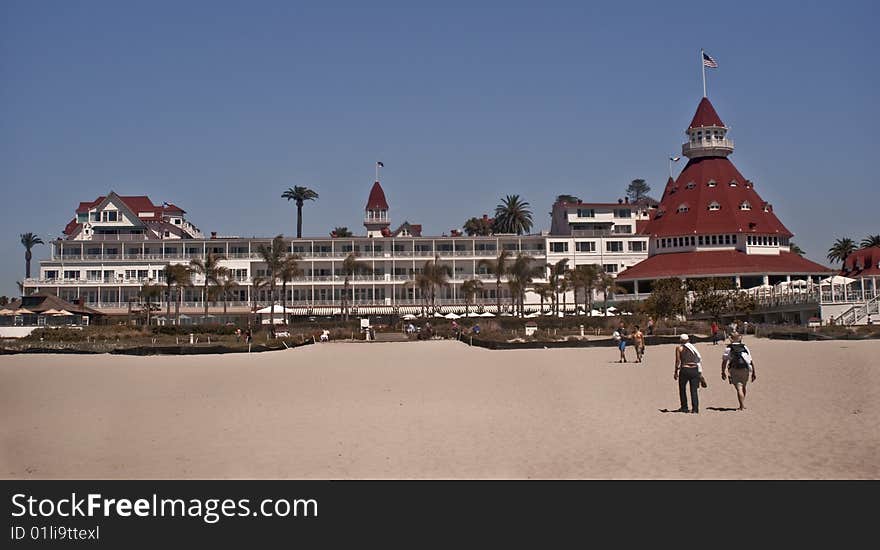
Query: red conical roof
x=705, y=115
x=377, y=201
x=692, y=191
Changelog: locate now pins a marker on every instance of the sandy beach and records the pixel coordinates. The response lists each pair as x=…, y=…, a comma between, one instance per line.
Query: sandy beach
x=439, y=410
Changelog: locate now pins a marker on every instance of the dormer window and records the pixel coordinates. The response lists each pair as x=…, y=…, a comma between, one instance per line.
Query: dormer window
x=660, y=214
x=683, y=207
x=714, y=206
x=732, y=183
x=690, y=185
x=766, y=207
x=744, y=205
x=712, y=183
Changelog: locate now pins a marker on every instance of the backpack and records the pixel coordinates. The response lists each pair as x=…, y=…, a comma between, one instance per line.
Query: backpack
x=737, y=356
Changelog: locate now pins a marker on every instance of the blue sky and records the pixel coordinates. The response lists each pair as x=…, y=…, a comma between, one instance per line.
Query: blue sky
x=220, y=106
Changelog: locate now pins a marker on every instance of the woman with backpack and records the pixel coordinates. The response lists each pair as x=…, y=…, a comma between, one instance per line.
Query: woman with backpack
x=738, y=366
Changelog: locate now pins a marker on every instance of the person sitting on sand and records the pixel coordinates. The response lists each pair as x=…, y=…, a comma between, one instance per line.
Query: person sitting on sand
x=639, y=342
x=688, y=371
x=738, y=359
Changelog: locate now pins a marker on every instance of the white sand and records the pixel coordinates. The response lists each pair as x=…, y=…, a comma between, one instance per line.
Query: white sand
x=438, y=410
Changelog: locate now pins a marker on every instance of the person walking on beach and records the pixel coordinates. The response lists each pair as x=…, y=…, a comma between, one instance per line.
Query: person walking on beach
x=650, y=326
x=714, y=333
x=738, y=366
x=688, y=372
x=620, y=338
x=639, y=342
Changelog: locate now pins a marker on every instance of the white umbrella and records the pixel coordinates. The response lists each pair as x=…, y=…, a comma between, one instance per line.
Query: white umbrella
x=23, y=311
x=451, y=315
x=51, y=311
x=408, y=317
x=275, y=309
x=837, y=280
x=438, y=314
x=5, y=311
x=533, y=315
x=487, y=314
x=64, y=312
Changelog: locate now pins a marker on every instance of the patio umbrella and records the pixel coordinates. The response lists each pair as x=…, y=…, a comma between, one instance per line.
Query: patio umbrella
x=438, y=314
x=451, y=315
x=487, y=314
x=5, y=311
x=64, y=312
x=52, y=311
x=408, y=317
x=23, y=311
x=837, y=280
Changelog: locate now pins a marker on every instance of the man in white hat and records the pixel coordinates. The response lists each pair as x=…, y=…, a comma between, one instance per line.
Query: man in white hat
x=688, y=371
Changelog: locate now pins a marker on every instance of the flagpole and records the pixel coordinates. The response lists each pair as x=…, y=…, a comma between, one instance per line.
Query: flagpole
x=377, y=172
x=703, y=65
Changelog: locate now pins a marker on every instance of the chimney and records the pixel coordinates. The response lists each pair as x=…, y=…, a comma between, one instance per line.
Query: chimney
x=213, y=234
x=619, y=201
x=626, y=200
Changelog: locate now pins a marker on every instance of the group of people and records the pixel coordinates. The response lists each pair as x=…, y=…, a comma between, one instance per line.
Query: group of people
x=622, y=336
x=735, y=327
x=737, y=366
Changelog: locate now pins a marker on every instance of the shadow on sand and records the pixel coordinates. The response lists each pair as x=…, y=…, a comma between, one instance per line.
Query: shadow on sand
x=723, y=409
x=672, y=411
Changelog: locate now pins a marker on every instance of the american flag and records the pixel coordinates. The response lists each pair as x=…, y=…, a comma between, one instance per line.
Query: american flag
x=709, y=62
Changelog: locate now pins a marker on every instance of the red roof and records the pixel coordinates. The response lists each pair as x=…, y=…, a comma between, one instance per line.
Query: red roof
x=705, y=115
x=377, y=201
x=864, y=262
x=71, y=227
x=696, y=198
x=137, y=204
x=720, y=262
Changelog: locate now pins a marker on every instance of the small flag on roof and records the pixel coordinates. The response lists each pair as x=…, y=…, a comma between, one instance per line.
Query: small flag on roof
x=709, y=62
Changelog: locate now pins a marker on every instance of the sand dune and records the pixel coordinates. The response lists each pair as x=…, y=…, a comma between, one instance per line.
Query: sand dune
x=438, y=410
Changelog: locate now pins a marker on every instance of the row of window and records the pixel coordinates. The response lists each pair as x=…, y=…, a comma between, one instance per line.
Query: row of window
x=713, y=206
x=762, y=240
x=697, y=240
x=590, y=246
x=591, y=213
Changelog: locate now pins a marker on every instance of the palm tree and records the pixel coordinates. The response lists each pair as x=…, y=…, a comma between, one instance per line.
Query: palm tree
x=478, y=227
x=257, y=283
x=28, y=241
x=544, y=292
x=423, y=283
x=300, y=195
x=149, y=292
x=175, y=276
x=212, y=271
x=351, y=267
x=567, y=198
x=583, y=276
x=513, y=216
x=870, y=241
x=340, y=232
x=438, y=274
x=605, y=283
x=558, y=282
x=273, y=255
x=498, y=268
x=841, y=250
x=289, y=271
x=795, y=249
x=226, y=286
x=520, y=274
x=469, y=289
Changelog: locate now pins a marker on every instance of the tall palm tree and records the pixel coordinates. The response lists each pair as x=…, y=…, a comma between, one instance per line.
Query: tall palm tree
x=841, y=250
x=498, y=268
x=513, y=216
x=438, y=274
x=350, y=268
x=469, y=289
x=226, y=286
x=257, y=284
x=175, y=276
x=544, y=292
x=148, y=293
x=583, y=277
x=423, y=283
x=288, y=271
x=605, y=283
x=520, y=274
x=557, y=279
x=273, y=256
x=340, y=232
x=28, y=241
x=870, y=241
x=300, y=195
x=795, y=249
x=212, y=271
